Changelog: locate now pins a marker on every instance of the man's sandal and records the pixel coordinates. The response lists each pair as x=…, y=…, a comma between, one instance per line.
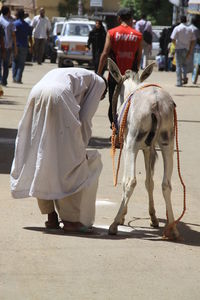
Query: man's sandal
x=76, y=227
x=52, y=222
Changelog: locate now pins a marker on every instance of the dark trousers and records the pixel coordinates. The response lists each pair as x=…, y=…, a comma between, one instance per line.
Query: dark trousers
x=4, y=66
x=111, y=88
x=19, y=63
x=39, y=48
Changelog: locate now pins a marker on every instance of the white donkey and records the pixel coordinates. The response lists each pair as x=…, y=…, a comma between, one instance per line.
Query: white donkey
x=150, y=121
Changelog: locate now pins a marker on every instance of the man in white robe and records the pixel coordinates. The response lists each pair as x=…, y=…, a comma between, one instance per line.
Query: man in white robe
x=51, y=162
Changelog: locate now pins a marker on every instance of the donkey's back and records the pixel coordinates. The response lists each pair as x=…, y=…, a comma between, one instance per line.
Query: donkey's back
x=150, y=117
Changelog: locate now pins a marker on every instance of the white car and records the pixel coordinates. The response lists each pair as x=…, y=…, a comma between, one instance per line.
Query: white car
x=71, y=44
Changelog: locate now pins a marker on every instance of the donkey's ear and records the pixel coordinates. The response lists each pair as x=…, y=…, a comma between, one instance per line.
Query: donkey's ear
x=147, y=72
x=114, y=70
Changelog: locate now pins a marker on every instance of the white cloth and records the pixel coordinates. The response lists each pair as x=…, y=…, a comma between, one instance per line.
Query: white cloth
x=40, y=27
x=183, y=35
x=50, y=154
x=80, y=207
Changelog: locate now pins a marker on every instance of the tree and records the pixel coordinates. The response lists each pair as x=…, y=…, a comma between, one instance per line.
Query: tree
x=159, y=12
x=67, y=8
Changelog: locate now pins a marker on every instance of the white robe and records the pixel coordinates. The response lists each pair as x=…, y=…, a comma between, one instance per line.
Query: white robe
x=50, y=160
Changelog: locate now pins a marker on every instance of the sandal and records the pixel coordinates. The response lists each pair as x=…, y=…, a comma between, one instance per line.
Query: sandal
x=52, y=222
x=76, y=227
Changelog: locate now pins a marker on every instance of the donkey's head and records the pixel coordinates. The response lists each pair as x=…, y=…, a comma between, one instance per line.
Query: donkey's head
x=134, y=77
x=125, y=83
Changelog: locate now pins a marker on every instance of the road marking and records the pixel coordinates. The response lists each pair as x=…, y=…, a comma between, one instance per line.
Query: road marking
x=104, y=202
x=120, y=228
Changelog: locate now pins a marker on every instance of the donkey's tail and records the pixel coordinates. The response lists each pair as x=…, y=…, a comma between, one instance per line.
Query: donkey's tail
x=155, y=125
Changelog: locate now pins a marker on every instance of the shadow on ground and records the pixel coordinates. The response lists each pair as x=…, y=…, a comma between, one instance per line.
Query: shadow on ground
x=189, y=236
x=7, y=148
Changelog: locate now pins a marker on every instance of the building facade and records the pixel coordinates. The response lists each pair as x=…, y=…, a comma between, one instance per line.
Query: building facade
x=51, y=6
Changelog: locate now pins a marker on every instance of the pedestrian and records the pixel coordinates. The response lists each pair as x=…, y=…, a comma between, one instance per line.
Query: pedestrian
x=97, y=37
x=184, y=39
x=164, y=42
x=41, y=28
x=10, y=43
x=171, y=57
x=2, y=51
x=194, y=58
x=23, y=36
x=51, y=162
x=124, y=45
x=145, y=28
x=27, y=18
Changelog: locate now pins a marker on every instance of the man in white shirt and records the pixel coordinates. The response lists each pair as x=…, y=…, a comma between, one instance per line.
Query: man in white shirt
x=41, y=27
x=141, y=26
x=184, y=39
x=51, y=162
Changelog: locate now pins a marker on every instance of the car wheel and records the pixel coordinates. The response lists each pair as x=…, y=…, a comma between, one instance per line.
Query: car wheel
x=53, y=59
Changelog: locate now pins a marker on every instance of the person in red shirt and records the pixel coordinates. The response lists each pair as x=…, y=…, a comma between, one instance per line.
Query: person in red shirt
x=124, y=45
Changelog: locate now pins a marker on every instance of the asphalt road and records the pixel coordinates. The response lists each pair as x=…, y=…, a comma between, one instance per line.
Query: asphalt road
x=36, y=264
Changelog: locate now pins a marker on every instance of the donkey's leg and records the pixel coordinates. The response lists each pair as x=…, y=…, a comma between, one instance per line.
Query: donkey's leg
x=129, y=183
x=167, y=153
x=149, y=158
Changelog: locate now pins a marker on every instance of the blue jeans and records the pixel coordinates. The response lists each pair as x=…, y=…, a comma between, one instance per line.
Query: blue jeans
x=181, y=65
x=5, y=64
x=19, y=63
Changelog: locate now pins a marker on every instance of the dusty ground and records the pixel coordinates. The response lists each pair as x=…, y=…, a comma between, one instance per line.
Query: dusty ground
x=137, y=264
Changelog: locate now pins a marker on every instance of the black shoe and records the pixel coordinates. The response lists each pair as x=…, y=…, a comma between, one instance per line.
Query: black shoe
x=185, y=81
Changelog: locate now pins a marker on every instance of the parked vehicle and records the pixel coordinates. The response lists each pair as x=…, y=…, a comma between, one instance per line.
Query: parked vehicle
x=71, y=45
x=52, y=46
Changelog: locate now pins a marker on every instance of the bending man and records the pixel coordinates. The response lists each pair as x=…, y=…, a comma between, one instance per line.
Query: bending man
x=51, y=162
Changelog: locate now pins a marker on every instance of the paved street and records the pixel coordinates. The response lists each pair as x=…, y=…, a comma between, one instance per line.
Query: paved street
x=137, y=264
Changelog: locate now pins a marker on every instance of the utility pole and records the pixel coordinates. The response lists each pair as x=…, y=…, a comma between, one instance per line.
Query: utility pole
x=175, y=15
x=34, y=8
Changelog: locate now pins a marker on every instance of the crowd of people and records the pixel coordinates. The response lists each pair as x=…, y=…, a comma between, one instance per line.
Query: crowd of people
x=18, y=36
x=178, y=45
x=51, y=161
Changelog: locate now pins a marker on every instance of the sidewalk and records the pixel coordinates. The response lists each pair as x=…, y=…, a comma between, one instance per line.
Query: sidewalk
x=136, y=264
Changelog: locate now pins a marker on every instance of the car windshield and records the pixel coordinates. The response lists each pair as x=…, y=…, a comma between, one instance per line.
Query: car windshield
x=77, y=29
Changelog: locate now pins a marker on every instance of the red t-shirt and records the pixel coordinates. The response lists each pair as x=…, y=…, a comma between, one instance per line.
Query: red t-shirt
x=125, y=42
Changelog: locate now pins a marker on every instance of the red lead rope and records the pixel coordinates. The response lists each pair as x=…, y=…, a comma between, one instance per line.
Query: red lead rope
x=178, y=167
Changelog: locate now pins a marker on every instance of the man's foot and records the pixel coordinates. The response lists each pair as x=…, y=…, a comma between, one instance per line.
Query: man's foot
x=75, y=227
x=185, y=80
x=52, y=222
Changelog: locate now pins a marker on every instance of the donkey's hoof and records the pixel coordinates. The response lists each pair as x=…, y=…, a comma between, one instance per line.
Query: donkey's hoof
x=154, y=223
x=171, y=233
x=122, y=221
x=112, y=229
